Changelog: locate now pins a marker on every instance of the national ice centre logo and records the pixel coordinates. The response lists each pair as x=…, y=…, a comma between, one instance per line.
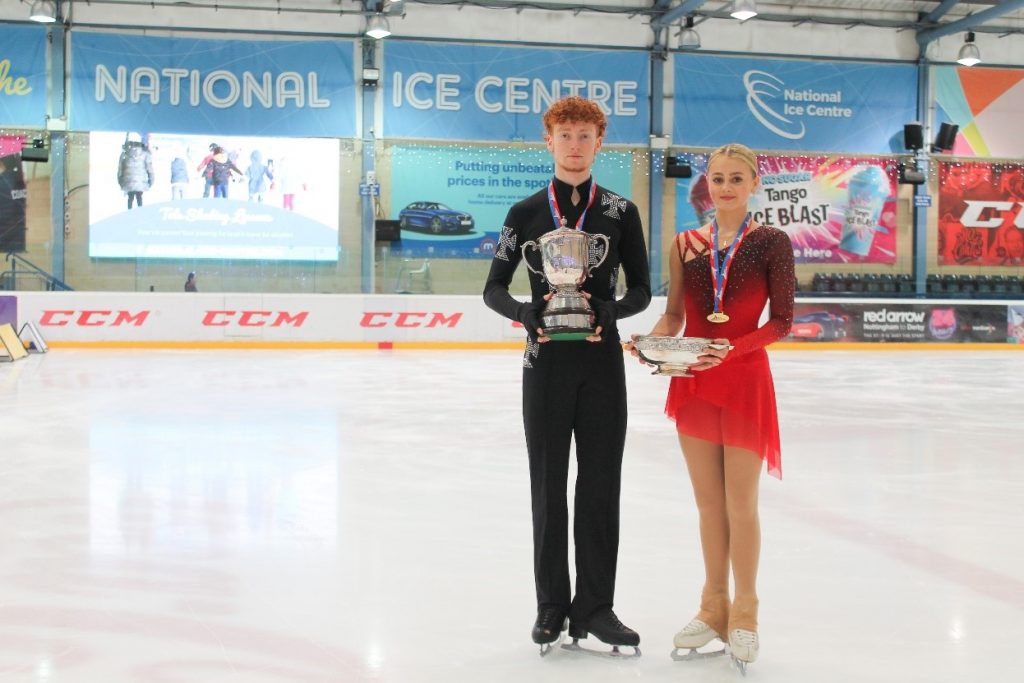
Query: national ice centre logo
x=765, y=89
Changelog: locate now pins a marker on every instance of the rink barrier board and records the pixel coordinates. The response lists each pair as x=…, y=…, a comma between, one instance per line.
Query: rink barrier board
x=457, y=322
x=516, y=346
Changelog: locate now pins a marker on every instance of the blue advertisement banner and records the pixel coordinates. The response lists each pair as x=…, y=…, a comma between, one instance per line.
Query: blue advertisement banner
x=451, y=202
x=23, y=76
x=776, y=104
x=474, y=92
x=189, y=85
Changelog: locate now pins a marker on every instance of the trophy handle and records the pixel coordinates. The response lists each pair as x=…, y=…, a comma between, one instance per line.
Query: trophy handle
x=536, y=246
x=607, y=248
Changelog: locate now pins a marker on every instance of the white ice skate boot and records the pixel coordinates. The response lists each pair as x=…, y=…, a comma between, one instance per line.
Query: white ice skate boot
x=708, y=625
x=743, y=641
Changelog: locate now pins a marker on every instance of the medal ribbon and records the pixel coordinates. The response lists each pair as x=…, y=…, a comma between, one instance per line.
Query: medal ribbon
x=720, y=270
x=556, y=212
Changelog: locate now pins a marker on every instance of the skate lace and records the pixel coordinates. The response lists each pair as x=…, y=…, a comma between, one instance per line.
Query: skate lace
x=744, y=637
x=694, y=627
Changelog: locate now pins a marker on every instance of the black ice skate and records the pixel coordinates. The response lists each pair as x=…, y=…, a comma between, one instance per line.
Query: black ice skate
x=549, y=627
x=607, y=628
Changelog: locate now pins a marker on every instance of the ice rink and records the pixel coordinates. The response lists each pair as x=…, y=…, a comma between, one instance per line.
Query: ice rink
x=300, y=516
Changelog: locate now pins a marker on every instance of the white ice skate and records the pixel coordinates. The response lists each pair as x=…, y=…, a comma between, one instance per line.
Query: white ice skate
x=695, y=635
x=743, y=646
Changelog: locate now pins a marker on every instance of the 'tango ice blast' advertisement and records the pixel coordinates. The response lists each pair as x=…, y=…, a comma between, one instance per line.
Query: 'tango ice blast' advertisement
x=835, y=210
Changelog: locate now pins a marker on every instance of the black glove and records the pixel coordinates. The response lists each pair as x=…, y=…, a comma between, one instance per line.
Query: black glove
x=529, y=315
x=606, y=313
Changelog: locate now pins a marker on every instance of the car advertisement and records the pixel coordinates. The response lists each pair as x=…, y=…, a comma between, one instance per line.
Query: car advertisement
x=981, y=214
x=886, y=321
x=835, y=209
x=451, y=202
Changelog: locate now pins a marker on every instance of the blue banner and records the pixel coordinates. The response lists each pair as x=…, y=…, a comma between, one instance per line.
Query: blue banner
x=777, y=104
x=451, y=202
x=188, y=85
x=23, y=76
x=473, y=92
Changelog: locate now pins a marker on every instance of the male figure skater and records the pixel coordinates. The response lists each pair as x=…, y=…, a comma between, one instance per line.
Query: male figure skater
x=575, y=388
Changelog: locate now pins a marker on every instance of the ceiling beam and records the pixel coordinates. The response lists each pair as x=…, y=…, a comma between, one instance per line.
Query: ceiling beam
x=684, y=8
x=928, y=35
x=940, y=11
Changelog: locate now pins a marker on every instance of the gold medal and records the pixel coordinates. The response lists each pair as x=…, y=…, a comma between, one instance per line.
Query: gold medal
x=718, y=317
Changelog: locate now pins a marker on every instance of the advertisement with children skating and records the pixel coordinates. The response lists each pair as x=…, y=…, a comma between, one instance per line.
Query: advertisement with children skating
x=189, y=196
x=835, y=209
x=452, y=202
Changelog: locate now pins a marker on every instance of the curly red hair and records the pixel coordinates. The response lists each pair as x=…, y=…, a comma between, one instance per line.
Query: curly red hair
x=575, y=109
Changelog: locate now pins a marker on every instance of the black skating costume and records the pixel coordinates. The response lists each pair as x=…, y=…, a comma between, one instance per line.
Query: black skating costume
x=575, y=388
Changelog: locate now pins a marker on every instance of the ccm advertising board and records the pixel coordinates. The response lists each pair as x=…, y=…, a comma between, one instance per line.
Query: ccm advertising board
x=474, y=92
x=792, y=104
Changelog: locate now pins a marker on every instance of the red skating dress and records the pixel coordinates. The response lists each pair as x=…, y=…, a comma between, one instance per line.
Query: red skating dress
x=734, y=403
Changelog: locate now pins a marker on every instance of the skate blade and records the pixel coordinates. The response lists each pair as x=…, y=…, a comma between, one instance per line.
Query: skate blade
x=683, y=654
x=614, y=653
x=547, y=648
x=739, y=664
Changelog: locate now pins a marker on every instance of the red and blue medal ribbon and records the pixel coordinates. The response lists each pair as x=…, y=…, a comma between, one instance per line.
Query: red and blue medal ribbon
x=720, y=268
x=556, y=213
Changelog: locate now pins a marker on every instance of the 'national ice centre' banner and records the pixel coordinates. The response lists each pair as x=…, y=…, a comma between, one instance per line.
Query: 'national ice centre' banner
x=191, y=85
x=451, y=202
x=23, y=76
x=835, y=209
x=776, y=104
x=986, y=105
x=981, y=214
x=474, y=92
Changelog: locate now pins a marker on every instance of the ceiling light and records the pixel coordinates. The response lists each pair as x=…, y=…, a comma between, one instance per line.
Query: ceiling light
x=689, y=39
x=43, y=11
x=969, y=53
x=744, y=9
x=377, y=27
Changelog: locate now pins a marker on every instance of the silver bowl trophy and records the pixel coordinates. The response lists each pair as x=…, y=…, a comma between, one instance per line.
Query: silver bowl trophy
x=565, y=258
x=672, y=356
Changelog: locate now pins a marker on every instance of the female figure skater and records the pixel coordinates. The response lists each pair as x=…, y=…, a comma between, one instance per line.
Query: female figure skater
x=722, y=275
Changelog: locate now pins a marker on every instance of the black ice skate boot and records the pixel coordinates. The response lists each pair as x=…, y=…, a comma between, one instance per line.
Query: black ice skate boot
x=551, y=620
x=607, y=628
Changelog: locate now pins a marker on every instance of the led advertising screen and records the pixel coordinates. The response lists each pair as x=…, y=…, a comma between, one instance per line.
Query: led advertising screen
x=212, y=197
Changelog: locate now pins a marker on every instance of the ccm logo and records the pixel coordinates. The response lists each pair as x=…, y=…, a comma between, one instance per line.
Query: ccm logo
x=93, y=318
x=972, y=215
x=254, y=318
x=409, y=319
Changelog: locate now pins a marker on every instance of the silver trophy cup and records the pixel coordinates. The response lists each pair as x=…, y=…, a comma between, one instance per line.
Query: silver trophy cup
x=565, y=258
x=672, y=356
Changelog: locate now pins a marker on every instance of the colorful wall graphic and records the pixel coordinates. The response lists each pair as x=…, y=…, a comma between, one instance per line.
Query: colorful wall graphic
x=835, y=209
x=986, y=104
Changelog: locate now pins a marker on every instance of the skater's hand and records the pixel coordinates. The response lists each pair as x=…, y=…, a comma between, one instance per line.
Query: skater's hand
x=529, y=315
x=630, y=346
x=605, y=314
x=711, y=357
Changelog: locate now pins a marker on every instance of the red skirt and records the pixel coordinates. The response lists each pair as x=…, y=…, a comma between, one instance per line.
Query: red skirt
x=732, y=404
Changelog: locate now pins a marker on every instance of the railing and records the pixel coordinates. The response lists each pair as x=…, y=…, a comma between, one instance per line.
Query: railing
x=9, y=278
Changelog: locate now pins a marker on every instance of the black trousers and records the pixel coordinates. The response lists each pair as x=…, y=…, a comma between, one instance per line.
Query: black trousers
x=575, y=388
